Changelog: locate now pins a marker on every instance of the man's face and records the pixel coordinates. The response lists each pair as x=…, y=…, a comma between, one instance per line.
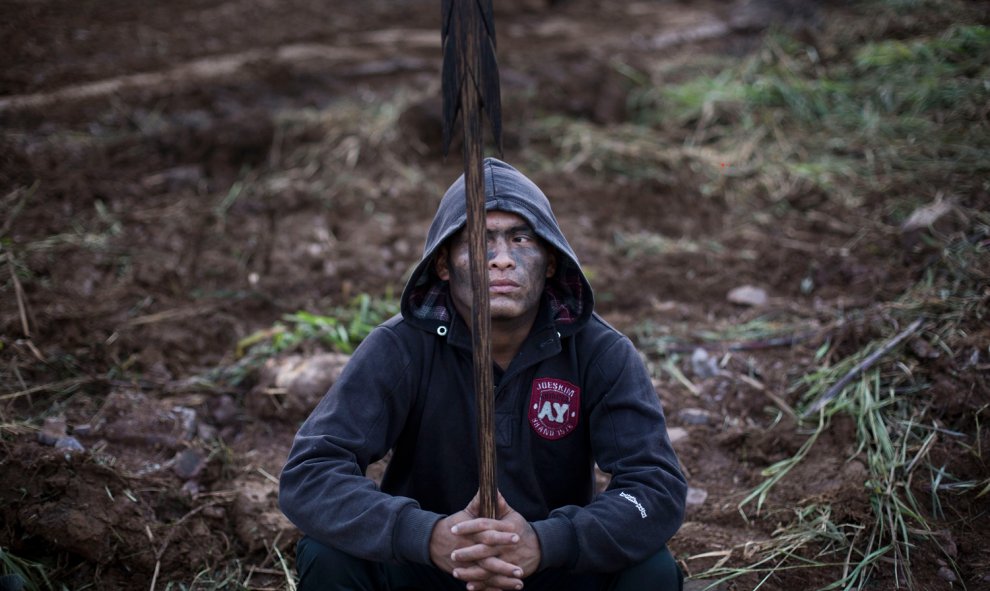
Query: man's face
x=518, y=267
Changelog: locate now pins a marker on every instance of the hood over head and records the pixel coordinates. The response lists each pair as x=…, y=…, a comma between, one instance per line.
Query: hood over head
x=425, y=299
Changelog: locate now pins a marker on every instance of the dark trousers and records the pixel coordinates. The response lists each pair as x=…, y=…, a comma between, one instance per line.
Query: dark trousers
x=322, y=568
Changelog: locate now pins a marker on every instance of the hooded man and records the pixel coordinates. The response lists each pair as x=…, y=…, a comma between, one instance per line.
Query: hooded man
x=570, y=392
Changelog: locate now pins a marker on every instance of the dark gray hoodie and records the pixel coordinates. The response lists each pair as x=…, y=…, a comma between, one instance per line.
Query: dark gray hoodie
x=576, y=394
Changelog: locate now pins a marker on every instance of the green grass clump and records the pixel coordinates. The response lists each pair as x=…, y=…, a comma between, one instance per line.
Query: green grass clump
x=340, y=330
x=875, y=115
x=919, y=78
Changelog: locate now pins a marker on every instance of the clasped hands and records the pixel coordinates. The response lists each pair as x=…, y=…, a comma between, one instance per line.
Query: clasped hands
x=487, y=554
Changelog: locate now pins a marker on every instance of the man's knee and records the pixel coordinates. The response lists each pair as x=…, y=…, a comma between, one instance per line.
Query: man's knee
x=659, y=572
x=323, y=568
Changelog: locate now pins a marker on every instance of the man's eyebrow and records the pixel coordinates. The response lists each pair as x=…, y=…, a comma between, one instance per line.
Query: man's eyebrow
x=515, y=229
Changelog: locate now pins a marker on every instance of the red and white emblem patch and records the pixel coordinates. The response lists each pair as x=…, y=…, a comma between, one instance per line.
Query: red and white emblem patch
x=554, y=407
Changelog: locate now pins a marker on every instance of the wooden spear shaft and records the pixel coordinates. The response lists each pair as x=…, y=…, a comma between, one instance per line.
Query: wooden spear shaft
x=471, y=88
x=474, y=182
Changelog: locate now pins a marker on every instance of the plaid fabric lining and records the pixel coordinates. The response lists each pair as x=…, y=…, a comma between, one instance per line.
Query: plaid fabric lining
x=566, y=295
x=429, y=301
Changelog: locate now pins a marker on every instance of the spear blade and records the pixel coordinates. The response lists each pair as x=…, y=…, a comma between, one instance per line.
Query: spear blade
x=469, y=66
x=470, y=87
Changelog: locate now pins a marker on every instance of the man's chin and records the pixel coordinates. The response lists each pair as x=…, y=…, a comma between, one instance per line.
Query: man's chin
x=504, y=313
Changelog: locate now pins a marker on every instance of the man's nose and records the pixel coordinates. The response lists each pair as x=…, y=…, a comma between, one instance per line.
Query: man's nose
x=498, y=254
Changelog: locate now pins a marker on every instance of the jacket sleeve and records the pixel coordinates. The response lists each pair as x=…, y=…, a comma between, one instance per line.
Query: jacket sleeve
x=643, y=505
x=323, y=489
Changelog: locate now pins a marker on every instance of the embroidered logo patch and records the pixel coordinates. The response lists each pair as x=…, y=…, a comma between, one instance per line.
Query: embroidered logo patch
x=554, y=407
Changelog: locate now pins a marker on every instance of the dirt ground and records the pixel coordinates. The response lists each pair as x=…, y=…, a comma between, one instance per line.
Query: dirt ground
x=179, y=176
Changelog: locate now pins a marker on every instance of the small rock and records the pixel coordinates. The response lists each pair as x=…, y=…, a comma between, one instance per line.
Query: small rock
x=748, y=295
x=312, y=376
x=226, y=410
x=148, y=468
x=937, y=218
x=69, y=444
x=215, y=512
x=187, y=420
x=290, y=387
x=922, y=349
x=52, y=431
x=677, y=434
x=190, y=488
x=188, y=463
x=696, y=496
x=946, y=574
x=948, y=544
x=703, y=365
x=694, y=416
x=206, y=432
x=926, y=216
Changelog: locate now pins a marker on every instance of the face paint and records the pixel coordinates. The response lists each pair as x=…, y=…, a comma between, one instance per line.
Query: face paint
x=518, y=266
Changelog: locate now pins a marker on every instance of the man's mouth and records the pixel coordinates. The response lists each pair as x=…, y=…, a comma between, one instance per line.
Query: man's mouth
x=502, y=286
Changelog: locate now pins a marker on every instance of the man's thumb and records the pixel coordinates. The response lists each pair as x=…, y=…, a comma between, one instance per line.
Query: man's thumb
x=502, y=507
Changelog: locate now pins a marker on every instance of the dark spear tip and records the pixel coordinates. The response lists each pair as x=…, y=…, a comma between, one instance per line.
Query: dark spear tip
x=460, y=18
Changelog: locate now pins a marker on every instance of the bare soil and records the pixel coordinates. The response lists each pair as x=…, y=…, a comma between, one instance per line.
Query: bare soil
x=178, y=176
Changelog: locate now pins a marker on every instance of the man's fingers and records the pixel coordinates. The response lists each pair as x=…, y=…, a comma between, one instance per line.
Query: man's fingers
x=497, y=538
x=499, y=567
x=488, y=569
x=504, y=583
x=495, y=584
x=472, y=554
x=471, y=573
x=478, y=578
x=474, y=526
x=490, y=538
x=483, y=548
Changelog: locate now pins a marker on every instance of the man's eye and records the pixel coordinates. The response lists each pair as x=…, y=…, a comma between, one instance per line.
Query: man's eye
x=522, y=238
